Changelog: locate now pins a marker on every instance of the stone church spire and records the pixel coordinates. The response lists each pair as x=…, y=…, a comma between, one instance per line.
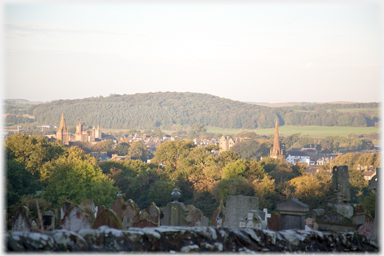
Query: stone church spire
x=276, y=150
x=62, y=126
x=62, y=132
x=276, y=142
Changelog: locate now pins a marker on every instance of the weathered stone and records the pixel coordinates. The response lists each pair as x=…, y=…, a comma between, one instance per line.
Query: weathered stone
x=190, y=248
x=175, y=214
x=291, y=236
x=189, y=239
x=100, y=210
x=368, y=227
x=118, y=207
x=14, y=242
x=253, y=220
x=94, y=237
x=196, y=217
x=114, y=239
x=218, y=216
x=237, y=208
x=341, y=188
x=256, y=235
x=292, y=214
x=150, y=217
x=20, y=221
x=64, y=209
x=108, y=218
x=69, y=241
x=340, y=184
x=130, y=214
x=77, y=218
x=88, y=204
x=264, y=216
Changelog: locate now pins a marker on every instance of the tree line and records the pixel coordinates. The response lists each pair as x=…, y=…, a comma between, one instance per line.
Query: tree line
x=44, y=169
x=174, y=111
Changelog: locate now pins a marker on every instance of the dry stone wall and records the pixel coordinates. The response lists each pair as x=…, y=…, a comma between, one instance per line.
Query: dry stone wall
x=188, y=239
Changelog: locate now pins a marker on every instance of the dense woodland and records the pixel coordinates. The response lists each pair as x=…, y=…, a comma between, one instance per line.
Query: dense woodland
x=46, y=170
x=176, y=111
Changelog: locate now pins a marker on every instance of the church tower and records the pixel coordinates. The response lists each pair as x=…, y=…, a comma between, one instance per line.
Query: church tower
x=276, y=151
x=98, y=133
x=62, y=132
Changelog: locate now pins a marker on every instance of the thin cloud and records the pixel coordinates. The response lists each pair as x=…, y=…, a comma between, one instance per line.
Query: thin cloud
x=40, y=28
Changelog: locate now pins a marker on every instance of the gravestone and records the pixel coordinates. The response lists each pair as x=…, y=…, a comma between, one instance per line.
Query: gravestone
x=77, y=218
x=88, y=204
x=150, y=217
x=264, y=216
x=368, y=228
x=310, y=224
x=292, y=214
x=49, y=220
x=218, y=216
x=20, y=221
x=341, y=188
x=237, y=208
x=274, y=222
x=130, y=214
x=338, y=214
x=196, y=216
x=251, y=221
x=64, y=209
x=100, y=210
x=175, y=213
x=118, y=207
x=107, y=218
x=34, y=227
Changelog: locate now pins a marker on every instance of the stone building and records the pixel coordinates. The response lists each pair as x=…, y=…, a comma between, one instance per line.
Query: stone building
x=98, y=133
x=84, y=136
x=81, y=134
x=226, y=143
x=62, y=132
x=276, y=151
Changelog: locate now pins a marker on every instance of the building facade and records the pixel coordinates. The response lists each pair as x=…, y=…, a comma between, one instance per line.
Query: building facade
x=62, y=132
x=226, y=143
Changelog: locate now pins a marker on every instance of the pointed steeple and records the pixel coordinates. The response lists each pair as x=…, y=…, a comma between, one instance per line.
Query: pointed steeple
x=62, y=126
x=276, y=151
x=276, y=142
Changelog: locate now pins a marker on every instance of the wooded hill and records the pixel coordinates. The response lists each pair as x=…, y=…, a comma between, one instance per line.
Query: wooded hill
x=173, y=111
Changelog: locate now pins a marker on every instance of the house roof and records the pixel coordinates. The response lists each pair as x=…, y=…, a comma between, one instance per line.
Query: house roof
x=311, y=169
x=297, y=153
x=292, y=205
x=369, y=173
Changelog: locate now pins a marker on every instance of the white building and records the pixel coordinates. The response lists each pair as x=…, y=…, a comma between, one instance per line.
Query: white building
x=298, y=156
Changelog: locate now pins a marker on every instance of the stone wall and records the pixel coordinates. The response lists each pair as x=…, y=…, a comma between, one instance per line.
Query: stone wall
x=188, y=239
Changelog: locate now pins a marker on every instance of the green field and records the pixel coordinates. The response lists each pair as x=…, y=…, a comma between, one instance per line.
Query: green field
x=318, y=131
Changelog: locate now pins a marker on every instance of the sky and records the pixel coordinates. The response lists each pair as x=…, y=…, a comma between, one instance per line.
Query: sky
x=249, y=51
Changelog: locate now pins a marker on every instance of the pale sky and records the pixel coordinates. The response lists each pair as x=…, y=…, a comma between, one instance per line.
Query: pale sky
x=248, y=51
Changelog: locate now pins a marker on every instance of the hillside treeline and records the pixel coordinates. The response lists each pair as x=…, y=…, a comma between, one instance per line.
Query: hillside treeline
x=174, y=111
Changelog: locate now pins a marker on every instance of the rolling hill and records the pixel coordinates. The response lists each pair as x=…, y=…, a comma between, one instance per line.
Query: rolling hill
x=174, y=110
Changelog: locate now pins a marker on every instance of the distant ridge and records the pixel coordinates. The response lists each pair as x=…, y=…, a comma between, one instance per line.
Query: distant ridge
x=290, y=104
x=23, y=101
x=176, y=110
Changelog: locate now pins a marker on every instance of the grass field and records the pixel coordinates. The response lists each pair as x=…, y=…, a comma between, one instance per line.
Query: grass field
x=318, y=131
